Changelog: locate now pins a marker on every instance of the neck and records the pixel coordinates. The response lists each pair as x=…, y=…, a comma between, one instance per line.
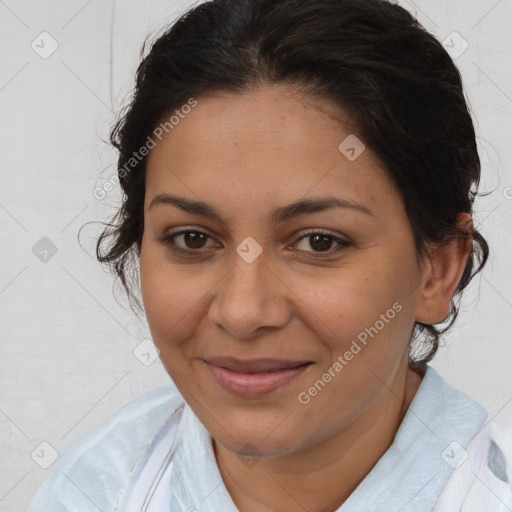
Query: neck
x=322, y=476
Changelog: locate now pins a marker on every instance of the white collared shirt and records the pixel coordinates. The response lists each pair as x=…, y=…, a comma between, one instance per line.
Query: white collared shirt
x=156, y=456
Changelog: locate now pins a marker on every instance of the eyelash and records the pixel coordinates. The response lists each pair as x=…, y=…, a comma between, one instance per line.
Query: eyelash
x=168, y=241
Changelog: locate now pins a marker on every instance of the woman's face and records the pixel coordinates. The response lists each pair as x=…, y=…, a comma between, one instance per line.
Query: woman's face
x=333, y=286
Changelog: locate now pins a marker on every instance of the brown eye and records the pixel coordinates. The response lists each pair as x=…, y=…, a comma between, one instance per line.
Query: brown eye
x=194, y=239
x=322, y=242
x=191, y=241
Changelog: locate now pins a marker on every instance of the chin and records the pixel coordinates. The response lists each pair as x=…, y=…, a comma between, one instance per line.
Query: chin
x=255, y=443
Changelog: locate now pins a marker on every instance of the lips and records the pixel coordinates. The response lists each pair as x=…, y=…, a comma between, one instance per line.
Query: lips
x=256, y=377
x=262, y=365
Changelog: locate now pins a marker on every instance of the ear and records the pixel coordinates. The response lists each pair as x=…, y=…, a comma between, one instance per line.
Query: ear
x=442, y=275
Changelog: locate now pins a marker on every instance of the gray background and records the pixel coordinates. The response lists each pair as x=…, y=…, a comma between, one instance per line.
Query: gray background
x=69, y=346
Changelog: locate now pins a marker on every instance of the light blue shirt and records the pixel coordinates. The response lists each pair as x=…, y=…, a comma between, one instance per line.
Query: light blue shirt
x=410, y=477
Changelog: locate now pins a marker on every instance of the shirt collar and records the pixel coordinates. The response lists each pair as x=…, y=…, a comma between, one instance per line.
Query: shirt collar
x=410, y=476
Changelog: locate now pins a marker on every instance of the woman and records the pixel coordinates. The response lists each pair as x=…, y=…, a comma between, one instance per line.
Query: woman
x=298, y=185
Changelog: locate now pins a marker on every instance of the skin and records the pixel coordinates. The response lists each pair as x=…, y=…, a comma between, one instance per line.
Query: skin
x=245, y=155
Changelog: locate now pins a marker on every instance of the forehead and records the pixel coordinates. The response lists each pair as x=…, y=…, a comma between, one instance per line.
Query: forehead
x=267, y=145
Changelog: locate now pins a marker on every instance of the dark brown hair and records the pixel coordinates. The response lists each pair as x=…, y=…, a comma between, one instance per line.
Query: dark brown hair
x=371, y=58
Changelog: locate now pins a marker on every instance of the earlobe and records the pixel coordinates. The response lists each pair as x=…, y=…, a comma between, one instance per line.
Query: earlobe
x=443, y=273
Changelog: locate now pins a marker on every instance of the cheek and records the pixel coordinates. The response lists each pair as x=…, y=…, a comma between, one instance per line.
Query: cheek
x=364, y=328
x=169, y=305
x=365, y=317
x=169, y=297
x=353, y=300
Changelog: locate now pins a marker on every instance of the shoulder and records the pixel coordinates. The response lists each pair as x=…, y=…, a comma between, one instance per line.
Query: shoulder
x=481, y=479
x=482, y=466
x=93, y=472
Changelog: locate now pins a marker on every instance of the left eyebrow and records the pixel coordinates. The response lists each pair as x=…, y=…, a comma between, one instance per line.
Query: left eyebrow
x=277, y=216
x=316, y=205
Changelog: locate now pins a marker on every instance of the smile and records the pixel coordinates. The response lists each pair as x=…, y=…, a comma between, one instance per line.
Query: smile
x=244, y=379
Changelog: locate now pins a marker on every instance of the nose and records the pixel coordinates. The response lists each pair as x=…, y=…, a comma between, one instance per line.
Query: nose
x=251, y=298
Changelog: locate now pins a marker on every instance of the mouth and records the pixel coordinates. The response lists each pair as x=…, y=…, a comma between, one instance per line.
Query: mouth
x=256, y=377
